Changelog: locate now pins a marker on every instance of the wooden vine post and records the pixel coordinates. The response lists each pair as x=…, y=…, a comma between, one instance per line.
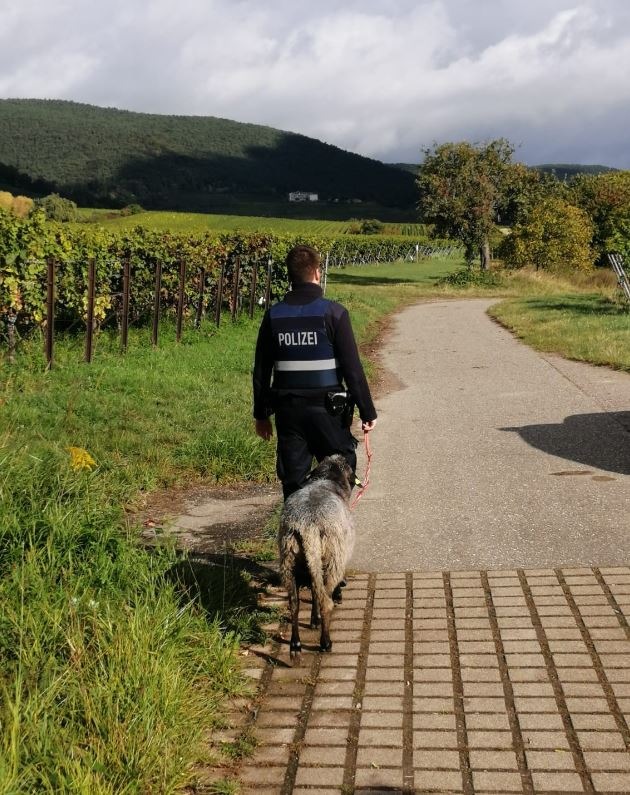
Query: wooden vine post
x=156, y=303
x=89, y=333
x=180, y=299
x=124, y=327
x=217, y=311
x=202, y=285
x=252, y=289
x=237, y=278
x=268, y=284
x=50, y=311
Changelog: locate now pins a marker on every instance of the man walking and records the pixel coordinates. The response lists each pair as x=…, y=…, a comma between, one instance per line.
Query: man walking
x=307, y=344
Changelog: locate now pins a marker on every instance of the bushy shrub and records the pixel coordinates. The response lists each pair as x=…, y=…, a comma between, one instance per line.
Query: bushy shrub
x=57, y=208
x=470, y=277
x=556, y=236
x=367, y=226
x=6, y=200
x=372, y=226
x=20, y=206
x=132, y=209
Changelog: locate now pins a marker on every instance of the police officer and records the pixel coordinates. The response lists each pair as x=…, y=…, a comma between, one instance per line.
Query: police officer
x=307, y=344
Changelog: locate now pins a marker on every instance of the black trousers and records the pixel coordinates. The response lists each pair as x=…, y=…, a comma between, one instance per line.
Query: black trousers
x=305, y=431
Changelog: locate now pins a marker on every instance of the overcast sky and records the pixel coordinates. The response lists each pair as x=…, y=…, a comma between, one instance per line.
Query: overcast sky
x=381, y=77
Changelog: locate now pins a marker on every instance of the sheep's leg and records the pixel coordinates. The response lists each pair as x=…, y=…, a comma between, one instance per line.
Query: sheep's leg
x=294, y=609
x=326, y=609
x=325, y=643
x=315, y=621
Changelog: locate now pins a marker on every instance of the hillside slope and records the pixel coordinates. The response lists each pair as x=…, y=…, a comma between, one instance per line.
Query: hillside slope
x=566, y=171
x=111, y=157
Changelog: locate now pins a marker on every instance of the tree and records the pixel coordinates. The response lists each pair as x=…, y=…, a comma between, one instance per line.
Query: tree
x=57, y=208
x=556, y=236
x=525, y=189
x=462, y=188
x=606, y=198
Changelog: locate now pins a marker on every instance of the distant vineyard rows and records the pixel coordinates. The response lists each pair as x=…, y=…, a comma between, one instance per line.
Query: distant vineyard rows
x=27, y=246
x=199, y=222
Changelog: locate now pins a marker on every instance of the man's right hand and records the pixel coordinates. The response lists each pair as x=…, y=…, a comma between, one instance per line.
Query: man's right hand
x=264, y=429
x=366, y=427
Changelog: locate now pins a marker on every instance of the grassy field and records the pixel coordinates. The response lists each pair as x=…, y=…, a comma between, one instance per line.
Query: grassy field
x=200, y=222
x=110, y=674
x=587, y=327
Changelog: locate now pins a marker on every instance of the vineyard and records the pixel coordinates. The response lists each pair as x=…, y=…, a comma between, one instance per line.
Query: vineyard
x=85, y=277
x=200, y=222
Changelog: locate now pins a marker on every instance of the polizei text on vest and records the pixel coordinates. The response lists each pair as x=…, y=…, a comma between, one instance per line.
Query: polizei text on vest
x=297, y=338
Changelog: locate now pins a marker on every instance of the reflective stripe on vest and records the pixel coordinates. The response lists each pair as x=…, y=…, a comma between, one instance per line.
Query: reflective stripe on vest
x=303, y=354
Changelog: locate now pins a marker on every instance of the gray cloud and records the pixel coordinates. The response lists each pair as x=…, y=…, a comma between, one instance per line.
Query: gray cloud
x=382, y=78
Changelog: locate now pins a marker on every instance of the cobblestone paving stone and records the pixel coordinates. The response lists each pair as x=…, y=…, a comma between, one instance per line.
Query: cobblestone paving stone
x=453, y=682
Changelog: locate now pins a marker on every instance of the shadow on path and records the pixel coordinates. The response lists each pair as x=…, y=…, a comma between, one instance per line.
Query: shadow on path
x=591, y=305
x=340, y=277
x=596, y=440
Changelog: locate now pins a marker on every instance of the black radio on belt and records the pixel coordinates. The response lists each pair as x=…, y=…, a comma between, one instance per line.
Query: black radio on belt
x=336, y=402
x=340, y=404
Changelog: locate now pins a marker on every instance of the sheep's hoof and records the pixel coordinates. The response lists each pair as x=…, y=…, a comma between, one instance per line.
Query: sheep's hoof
x=337, y=596
x=315, y=622
x=296, y=652
x=326, y=644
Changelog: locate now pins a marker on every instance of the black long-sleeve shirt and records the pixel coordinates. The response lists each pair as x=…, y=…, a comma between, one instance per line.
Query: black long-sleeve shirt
x=340, y=334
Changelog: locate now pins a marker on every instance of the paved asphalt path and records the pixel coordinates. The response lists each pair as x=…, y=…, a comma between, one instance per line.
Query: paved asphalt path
x=492, y=455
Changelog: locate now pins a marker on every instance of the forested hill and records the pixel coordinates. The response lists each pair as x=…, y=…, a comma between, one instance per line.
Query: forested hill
x=104, y=156
x=565, y=171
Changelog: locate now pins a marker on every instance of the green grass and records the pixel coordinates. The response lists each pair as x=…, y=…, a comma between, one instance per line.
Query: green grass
x=225, y=786
x=107, y=672
x=588, y=327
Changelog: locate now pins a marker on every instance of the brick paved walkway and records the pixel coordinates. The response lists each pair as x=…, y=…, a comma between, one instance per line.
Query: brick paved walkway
x=458, y=682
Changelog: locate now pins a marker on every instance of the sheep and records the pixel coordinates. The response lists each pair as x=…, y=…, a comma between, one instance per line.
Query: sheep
x=315, y=541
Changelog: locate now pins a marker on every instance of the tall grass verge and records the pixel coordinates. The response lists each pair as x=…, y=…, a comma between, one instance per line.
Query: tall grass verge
x=587, y=327
x=107, y=677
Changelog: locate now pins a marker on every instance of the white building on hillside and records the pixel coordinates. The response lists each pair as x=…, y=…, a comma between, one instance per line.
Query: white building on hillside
x=303, y=196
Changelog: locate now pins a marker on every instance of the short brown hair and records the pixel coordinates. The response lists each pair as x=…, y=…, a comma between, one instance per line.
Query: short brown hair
x=302, y=264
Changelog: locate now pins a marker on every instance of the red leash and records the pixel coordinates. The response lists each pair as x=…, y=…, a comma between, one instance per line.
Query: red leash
x=366, y=479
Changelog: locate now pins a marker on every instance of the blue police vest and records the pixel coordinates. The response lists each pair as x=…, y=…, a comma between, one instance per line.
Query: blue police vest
x=303, y=353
